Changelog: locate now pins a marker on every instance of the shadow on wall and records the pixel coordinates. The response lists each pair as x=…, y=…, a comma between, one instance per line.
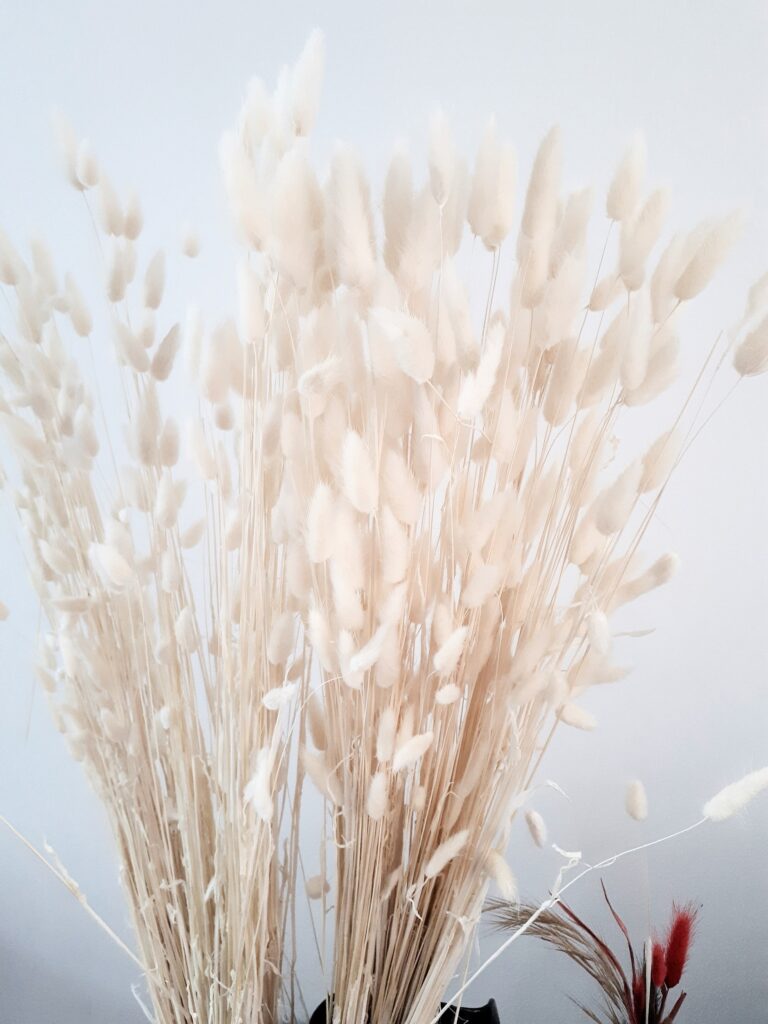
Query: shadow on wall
x=32, y=1005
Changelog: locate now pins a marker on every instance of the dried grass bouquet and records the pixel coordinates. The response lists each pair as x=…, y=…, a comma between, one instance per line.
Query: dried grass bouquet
x=381, y=553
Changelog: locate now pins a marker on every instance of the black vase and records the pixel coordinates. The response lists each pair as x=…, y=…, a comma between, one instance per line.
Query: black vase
x=487, y=1014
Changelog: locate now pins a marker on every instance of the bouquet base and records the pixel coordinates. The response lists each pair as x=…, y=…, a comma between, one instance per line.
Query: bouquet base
x=487, y=1014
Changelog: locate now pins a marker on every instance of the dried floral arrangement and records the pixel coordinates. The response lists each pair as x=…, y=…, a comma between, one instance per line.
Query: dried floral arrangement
x=384, y=557
x=640, y=997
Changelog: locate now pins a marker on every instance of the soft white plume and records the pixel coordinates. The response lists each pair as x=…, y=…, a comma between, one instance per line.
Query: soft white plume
x=409, y=752
x=636, y=801
x=732, y=798
x=536, y=827
x=446, y=852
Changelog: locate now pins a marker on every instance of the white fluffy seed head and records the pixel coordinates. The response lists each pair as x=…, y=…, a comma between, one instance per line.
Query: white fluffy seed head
x=193, y=534
x=599, y=632
x=110, y=212
x=604, y=293
x=317, y=723
x=710, y=253
x=87, y=166
x=320, y=524
x=411, y=342
x=130, y=350
x=281, y=639
x=10, y=262
x=737, y=795
x=660, y=460
x=114, y=567
x=664, y=568
x=757, y=297
x=751, y=355
x=163, y=359
x=326, y=781
x=636, y=801
x=147, y=426
x=167, y=501
x=319, y=634
x=376, y=804
x=491, y=196
x=85, y=432
x=536, y=827
x=279, y=696
x=483, y=581
x=501, y=873
x=411, y=750
x=634, y=358
x=296, y=217
x=257, y=792
x=133, y=220
x=448, y=655
x=170, y=572
x=625, y=188
x=402, y=492
x=477, y=385
x=360, y=479
x=442, y=158
x=79, y=313
x=638, y=238
x=397, y=207
x=394, y=553
x=385, y=736
x=258, y=114
x=306, y=80
x=368, y=655
x=351, y=222
x=390, y=883
x=246, y=192
x=168, y=444
x=660, y=573
x=185, y=630
x=447, y=694
x=214, y=372
x=251, y=311
x=43, y=266
x=316, y=887
x=418, y=799
x=446, y=852
x=146, y=330
x=190, y=242
x=614, y=505
x=541, y=199
x=199, y=451
x=577, y=717
x=233, y=529
x=154, y=281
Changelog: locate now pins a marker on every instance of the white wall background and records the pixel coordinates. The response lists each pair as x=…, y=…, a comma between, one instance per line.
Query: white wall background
x=152, y=84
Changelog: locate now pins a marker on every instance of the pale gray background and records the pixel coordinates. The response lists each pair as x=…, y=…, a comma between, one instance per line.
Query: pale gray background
x=153, y=84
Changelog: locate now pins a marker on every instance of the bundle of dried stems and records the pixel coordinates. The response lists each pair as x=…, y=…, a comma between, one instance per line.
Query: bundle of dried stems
x=413, y=525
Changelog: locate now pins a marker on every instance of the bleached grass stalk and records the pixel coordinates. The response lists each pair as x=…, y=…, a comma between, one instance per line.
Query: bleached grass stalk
x=419, y=515
x=69, y=883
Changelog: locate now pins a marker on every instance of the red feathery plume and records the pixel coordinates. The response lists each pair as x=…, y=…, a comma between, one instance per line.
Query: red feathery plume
x=678, y=943
x=658, y=965
x=638, y=997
